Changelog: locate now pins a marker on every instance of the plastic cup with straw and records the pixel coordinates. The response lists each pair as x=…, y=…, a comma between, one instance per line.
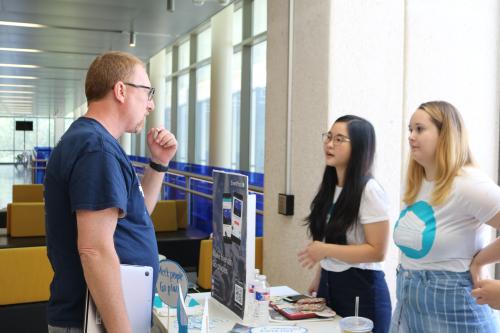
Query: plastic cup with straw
x=356, y=324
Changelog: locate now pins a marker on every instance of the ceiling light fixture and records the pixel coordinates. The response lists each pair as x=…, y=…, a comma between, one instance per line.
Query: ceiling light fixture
x=22, y=24
x=198, y=2
x=24, y=107
x=132, y=39
x=16, y=85
x=20, y=111
x=18, y=77
x=171, y=5
x=16, y=101
x=17, y=97
x=15, y=92
x=13, y=49
x=19, y=66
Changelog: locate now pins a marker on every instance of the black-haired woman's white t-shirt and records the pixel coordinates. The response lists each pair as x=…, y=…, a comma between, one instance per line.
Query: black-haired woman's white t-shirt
x=373, y=208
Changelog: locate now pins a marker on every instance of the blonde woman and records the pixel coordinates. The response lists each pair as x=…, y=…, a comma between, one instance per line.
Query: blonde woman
x=443, y=230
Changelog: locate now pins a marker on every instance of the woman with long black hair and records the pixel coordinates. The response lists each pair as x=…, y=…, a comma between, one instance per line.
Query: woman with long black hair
x=349, y=226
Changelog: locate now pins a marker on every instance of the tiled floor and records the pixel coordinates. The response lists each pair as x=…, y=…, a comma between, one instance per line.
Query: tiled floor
x=9, y=175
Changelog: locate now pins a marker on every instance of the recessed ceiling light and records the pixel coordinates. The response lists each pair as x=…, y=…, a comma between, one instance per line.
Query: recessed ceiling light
x=17, y=97
x=21, y=111
x=22, y=24
x=132, y=39
x=12, y=49
x=15, y=101
x=15, y=92
x=19, y=66
x=21, y=107
x=16, y=85
x=18, y=77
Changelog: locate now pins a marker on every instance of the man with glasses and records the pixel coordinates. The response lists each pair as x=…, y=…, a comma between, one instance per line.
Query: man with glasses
x=97, y=210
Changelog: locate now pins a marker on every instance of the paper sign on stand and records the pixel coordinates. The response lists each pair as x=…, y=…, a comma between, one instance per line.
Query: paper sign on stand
x=182, y=318
x=205, y=318
x=172, y=282
x=233, y=251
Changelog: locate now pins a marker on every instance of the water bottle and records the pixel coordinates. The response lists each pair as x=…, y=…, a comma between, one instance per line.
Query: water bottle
x=250, y=300
x=261, y=311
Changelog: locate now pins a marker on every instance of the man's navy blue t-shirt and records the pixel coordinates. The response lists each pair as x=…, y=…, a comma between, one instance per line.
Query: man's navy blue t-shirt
x=88, y=170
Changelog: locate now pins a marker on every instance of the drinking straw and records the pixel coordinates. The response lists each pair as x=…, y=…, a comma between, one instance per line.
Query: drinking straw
x=356, y=307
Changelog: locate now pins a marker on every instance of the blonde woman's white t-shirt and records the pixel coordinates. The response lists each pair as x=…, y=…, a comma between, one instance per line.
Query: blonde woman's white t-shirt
x=374, y=207
x=447, y=236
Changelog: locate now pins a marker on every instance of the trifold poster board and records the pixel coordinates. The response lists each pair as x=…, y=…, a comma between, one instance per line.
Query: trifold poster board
x=233, y=254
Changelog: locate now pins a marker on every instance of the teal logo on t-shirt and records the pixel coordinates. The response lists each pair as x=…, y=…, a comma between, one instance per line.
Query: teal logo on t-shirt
x=415, y=230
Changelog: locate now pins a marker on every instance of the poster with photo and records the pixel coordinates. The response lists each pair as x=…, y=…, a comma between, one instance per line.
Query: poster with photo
x=233, y=253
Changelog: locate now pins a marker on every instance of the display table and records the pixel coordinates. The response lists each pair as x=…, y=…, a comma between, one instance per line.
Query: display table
x=225, y=319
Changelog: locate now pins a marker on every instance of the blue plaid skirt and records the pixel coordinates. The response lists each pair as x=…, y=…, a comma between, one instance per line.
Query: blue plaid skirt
x=439, y=302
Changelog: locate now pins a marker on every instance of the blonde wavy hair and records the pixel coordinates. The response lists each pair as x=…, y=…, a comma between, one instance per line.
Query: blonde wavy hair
x=452, y=153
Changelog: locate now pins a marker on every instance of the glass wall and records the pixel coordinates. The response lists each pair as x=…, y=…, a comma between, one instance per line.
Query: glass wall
x=14, y=142
x=188, y=90
x=168, y=91
x=236, y=107
x=202, y=133
x=182, y=118
x=258, y=111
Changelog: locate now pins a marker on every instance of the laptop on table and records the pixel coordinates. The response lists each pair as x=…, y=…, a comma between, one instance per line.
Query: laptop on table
x=137, y=285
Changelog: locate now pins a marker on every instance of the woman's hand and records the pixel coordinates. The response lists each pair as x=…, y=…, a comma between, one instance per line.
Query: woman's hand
x=488, y=292
x=314, y=286
x=477, y=272
x=313, y=253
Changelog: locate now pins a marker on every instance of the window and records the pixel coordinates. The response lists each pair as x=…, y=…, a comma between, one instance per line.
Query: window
x=6, y=140
x=43, y=132
x=202, y=132
x=258, y=108
x=236, y=107
x=182, y=117
x=168, y=104
x=237, y=26
x=259, y=18
x=67, y=123
x=204, y=45
x=168, y=63
x=184, y=55
x=168, y=91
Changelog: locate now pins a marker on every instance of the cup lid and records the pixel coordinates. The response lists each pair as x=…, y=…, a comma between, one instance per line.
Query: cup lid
x=356, y=324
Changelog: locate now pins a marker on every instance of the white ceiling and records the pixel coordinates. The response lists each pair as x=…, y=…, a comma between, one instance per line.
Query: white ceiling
x=77, y=31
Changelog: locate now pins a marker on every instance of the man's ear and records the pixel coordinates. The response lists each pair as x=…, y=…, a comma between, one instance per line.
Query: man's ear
x=120, y=91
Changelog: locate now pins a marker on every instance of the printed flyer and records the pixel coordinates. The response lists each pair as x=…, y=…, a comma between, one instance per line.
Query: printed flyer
x=233, y=254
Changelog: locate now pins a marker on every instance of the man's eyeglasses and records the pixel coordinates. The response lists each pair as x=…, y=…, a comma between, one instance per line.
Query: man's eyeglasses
x=337, y=139
x=151, y=91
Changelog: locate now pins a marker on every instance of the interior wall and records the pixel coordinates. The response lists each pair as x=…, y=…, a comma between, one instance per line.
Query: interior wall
x=367, y=80
x=285, y=236
x=382, y=59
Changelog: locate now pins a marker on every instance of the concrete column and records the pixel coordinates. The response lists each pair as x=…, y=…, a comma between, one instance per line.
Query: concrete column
x=310, y=105
x=220, y=89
